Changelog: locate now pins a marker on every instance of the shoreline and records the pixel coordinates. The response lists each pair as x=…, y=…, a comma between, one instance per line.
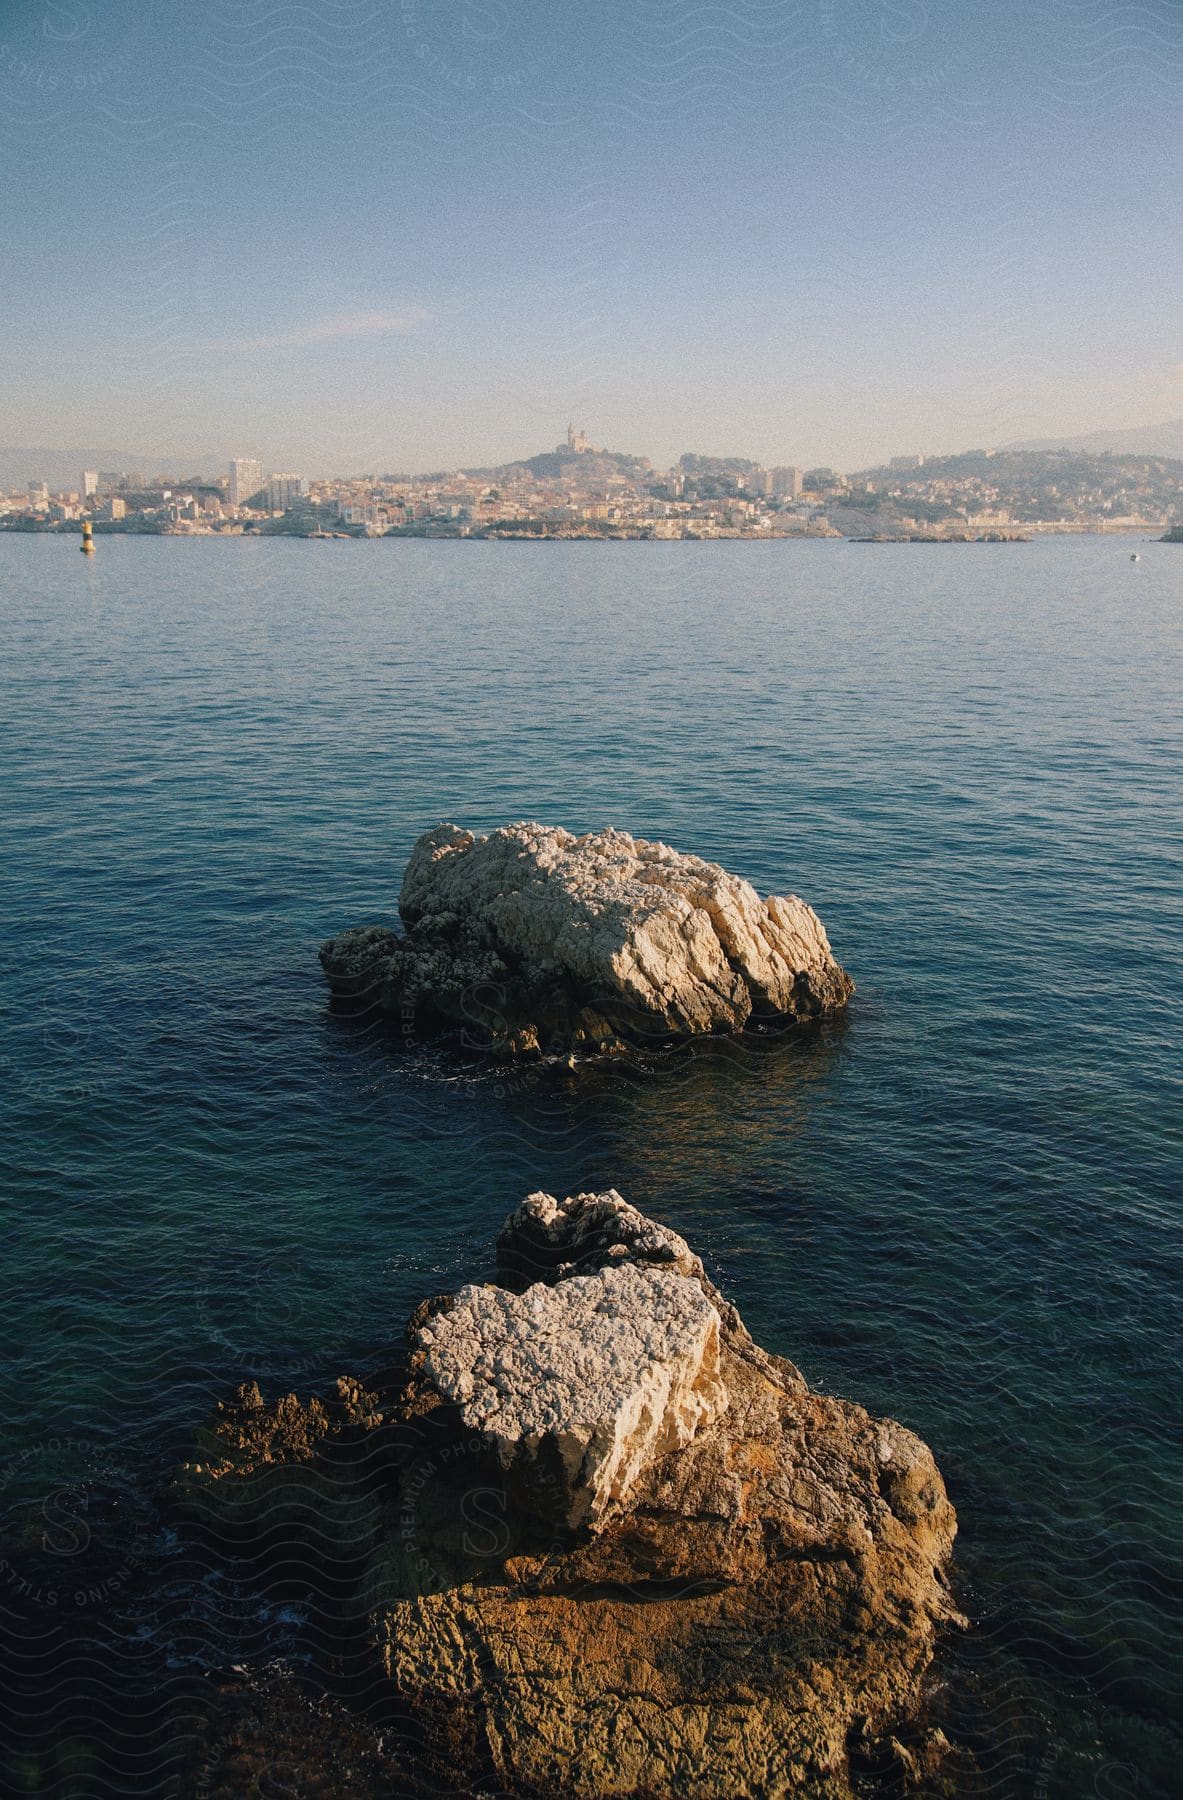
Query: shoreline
x=1137, y=532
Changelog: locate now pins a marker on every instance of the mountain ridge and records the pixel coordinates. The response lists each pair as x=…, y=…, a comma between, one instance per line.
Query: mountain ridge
x=1165, y=439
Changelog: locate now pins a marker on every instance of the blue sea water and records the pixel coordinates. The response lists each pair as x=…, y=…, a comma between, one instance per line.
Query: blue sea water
x=960, y=1204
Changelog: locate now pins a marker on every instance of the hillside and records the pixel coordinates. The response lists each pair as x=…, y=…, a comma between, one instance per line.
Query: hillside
x=1139, y=440
x=1055, y=486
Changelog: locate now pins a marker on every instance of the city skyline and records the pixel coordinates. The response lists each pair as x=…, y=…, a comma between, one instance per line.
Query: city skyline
x=413, y=239
x=578, y=489
x=1163, y=440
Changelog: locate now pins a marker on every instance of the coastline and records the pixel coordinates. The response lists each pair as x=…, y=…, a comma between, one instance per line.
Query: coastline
x=493, y=535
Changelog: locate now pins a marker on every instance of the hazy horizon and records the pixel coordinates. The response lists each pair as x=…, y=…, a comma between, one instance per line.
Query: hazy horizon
x=213, y=463
x=424, y=238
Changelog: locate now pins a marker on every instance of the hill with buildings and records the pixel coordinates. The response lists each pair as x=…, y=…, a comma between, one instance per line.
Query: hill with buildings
x=1059, y=487
x=581, y=489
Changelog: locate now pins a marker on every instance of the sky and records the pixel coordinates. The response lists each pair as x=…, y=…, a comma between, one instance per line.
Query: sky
x=401, y=235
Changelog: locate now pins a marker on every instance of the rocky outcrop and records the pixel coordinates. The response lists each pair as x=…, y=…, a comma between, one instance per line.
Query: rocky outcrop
x=593, y=1379
x=754, y=1606
x=531, y=939
x=626, y=1549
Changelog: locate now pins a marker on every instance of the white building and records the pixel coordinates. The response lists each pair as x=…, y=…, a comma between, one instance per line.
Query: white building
x=282, y=490
x=246, y=478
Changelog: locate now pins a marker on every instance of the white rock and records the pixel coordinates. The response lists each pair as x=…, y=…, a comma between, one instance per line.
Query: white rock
x=639, y=931
x=610, y=1371
x=551, y=1239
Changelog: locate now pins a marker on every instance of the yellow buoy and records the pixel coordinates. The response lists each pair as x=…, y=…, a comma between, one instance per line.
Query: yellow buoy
x=87, y=544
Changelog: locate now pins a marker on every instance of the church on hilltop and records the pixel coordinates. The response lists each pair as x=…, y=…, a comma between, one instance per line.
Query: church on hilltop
x=578, y=442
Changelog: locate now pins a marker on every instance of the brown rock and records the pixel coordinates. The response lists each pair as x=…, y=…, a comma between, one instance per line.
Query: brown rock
x=301, y=1468
x=751, y=1612
x=761, y=1596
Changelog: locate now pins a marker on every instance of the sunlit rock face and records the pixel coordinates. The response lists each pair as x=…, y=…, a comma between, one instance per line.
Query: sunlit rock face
x=596, y=1377
x=546, y=941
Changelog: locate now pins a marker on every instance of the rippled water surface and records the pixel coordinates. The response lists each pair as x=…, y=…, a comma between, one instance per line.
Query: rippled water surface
x=959, y=1205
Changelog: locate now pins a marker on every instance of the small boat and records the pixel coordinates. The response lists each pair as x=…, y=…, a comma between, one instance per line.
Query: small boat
x=1135, y=557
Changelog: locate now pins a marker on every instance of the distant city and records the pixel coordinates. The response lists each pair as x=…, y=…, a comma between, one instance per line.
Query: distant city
x=582, y=490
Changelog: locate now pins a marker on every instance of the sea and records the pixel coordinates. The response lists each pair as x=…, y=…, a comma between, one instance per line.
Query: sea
x=959, y=1204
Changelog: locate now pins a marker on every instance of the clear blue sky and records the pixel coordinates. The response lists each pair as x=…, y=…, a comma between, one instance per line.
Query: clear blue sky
x=410, y=234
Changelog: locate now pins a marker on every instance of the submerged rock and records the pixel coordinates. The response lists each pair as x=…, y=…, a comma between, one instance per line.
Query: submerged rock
x=296, y=1466
x=631, y=1550
x=531, y=939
